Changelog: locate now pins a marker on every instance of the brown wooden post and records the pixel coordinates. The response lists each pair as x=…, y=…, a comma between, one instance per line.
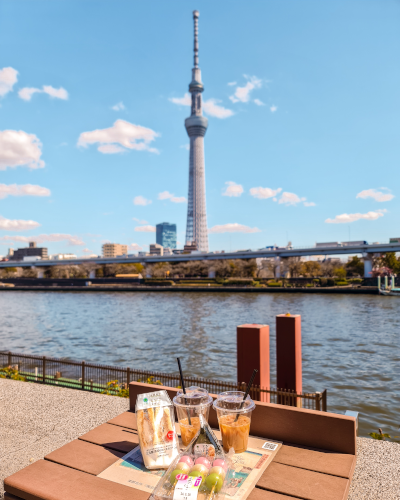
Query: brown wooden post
x=44, y=369
x=288, y=354
x=9, y=359
x=253, y=352
x=128, y=376
x=83, y=375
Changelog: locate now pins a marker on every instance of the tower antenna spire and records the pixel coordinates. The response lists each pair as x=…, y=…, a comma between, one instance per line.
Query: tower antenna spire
x=196, y=15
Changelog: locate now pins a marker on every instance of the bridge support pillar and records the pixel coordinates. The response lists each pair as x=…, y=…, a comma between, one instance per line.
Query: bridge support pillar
x=278, y=267
x=40, y=273
x=368, y=264
x=92, y=274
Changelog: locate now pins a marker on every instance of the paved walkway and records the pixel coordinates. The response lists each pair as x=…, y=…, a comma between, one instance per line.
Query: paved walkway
x=37, y=419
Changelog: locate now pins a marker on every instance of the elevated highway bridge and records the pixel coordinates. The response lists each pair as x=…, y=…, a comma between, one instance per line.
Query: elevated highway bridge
x=367, y=251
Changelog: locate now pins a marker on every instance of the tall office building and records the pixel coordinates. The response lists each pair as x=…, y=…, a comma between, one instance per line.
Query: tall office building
x=196, y=127
x=166, y=235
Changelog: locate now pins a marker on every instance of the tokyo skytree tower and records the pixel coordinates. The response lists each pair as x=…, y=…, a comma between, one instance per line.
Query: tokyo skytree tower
x=196, y=127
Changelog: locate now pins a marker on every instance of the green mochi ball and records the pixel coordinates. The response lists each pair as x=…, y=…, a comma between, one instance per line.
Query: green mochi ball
x=173, y=475
x=214, y=479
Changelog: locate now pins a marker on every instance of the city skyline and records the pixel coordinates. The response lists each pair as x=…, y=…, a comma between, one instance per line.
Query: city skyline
x=303, y=107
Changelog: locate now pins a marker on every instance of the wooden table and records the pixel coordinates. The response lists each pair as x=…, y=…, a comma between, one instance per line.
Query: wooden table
x=302, y=468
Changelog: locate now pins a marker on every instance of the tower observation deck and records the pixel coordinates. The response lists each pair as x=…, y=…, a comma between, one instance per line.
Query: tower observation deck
x=196, y=127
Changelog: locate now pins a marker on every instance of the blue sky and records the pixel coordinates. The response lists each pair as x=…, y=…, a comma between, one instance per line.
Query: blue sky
x=303, y=105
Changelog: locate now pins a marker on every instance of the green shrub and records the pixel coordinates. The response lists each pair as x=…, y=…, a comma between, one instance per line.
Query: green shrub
x=159, y=282
x=234, y=281
x=341, y=283
x=316, y=280
x=274, y=283
x=310, y=285
x=356, y=281
x=12, y=374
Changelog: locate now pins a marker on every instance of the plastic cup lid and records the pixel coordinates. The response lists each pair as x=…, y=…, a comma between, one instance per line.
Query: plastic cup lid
x=232, y=402
x=194, y=396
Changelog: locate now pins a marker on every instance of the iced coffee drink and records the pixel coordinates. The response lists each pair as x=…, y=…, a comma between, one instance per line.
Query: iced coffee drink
x=189, y=406
x=234, y=418
x=235, y=433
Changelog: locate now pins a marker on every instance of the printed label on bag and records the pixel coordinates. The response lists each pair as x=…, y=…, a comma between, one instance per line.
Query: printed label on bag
x=187, y=488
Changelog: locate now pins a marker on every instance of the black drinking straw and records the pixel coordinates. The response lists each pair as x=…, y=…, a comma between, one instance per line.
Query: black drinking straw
x=247, y=392
x=183, y=388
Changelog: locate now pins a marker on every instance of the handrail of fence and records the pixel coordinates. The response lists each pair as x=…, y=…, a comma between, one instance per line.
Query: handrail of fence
x=95, y=377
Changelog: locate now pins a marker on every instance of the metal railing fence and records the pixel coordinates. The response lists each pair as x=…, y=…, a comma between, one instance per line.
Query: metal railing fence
x=95, y=377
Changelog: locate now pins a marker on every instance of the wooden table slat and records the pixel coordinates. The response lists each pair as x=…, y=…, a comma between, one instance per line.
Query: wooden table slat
x=45, y=480
x=301, y=483
x=112, y=436
x=85, y=456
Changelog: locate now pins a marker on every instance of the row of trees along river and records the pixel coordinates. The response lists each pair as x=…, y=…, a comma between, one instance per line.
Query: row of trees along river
x=235, y=268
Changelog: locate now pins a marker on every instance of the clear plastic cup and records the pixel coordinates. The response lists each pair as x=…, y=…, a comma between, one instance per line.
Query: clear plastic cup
x=189, y=406
x=234, y=418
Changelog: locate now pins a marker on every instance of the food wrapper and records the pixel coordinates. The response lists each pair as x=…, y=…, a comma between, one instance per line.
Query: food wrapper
x=194, y=480
x=156, y=428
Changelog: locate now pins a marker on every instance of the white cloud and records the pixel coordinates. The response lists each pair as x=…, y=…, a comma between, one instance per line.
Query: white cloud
x=57, y=93
x=233, y=228
x=263, y=193
x=182, y=101
x=347, y=218
x=290, y=198
x=376, y=195
x=166, y=195
x=17, y=225
x=139, y=220
x=231, y=84
x=258, y=102
x=309, y=204
x=134, y=246
x=19, y=148
x=141, y=200
x=210, y=107
x=44, y=238
x=109, y=149
x=86, y=250
x=232, y=189
x=122, y=133
x=273, y=108
x=213, y=109
x=118, y=107
x=22, y=190
x=242, y=94
x=8, y=78
x=185, y=146
x=145, y=229
x=26, y=93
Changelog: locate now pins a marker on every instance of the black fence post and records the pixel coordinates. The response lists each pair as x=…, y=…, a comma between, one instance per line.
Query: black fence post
x=44, y=369
x=128, y=376
x=9, y=359
x=324, y=405
x=83, y=375
x=318, y=401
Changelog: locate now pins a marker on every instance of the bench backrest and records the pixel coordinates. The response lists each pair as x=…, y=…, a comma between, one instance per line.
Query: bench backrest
x=308, y=428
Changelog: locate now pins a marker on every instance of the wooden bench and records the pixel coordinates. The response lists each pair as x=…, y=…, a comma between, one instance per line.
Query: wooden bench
x=316, y=461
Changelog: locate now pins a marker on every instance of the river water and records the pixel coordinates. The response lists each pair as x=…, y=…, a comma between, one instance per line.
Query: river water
x=350, y=343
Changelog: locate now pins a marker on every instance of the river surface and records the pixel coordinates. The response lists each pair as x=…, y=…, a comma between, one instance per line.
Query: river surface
x=350, y=343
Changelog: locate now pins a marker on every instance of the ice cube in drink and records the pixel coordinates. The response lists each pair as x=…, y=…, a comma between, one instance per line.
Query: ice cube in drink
x=188, y=432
